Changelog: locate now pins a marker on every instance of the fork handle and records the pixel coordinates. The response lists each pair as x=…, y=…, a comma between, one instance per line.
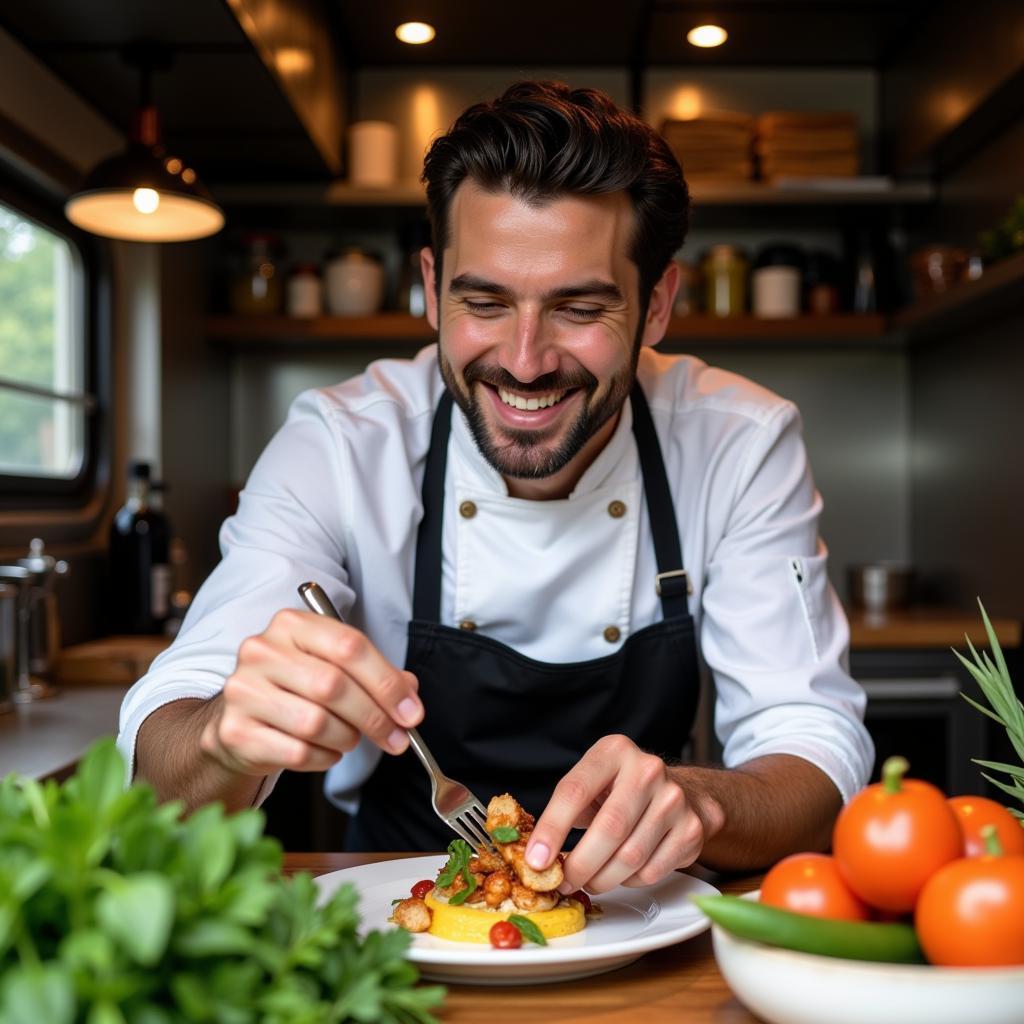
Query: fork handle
x=318, y=601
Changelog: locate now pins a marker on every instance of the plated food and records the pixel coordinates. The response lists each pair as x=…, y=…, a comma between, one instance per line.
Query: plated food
x=483, y=897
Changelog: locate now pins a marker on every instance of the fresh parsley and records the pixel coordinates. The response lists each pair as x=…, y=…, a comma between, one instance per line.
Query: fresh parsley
x=114, y=909
x=505, y=834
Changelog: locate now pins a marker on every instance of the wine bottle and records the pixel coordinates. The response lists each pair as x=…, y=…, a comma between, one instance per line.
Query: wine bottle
x=140, y=572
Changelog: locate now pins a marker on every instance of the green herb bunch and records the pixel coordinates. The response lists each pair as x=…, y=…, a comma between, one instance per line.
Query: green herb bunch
x=115, y=910
x=992, y=675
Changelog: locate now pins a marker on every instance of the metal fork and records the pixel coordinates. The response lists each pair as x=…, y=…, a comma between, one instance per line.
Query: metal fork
x=453, y=803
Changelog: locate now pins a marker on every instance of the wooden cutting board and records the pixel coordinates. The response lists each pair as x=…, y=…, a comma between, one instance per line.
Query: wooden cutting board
x=110, y=661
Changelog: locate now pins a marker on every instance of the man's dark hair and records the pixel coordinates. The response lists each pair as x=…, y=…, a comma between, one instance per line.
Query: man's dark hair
x=542, y=140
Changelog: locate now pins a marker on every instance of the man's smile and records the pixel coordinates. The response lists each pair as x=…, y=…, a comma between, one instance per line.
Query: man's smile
x=529, y=410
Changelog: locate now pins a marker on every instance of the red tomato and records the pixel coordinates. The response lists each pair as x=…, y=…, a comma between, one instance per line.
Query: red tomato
x=581, y=897
x=974, y=812
x=505, y=936
x=420, y=889
x=893, y=836
x=810, y=883
x=971, y=912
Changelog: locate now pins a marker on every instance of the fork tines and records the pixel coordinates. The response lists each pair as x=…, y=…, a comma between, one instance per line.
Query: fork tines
x=472, y=821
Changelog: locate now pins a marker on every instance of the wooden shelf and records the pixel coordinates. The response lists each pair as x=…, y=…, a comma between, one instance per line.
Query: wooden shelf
x=1000, y=288
x=254, y=332
x=923, y=627
x=704, y=193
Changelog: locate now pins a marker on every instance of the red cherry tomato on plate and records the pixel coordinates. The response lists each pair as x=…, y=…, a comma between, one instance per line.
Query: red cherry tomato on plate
x=420, y=889
x=975, y=812
x=893, y=836
x=810, y=883
x=505, y=936
x=581, y=897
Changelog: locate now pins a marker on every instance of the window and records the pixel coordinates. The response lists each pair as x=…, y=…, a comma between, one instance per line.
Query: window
x=42, y=405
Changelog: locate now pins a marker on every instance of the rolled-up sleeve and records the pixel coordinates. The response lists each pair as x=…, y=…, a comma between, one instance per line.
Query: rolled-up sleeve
x=289, y=528
x=773, y=632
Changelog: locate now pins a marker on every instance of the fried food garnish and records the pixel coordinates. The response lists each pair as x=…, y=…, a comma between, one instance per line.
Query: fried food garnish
x=530, y=901
x=412, y=914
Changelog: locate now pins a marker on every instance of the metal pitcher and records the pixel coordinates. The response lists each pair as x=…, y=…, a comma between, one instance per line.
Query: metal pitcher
x=39, y=636
x=13, y=579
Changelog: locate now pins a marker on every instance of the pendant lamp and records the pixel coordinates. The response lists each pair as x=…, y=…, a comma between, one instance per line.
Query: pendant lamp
x=143, y=194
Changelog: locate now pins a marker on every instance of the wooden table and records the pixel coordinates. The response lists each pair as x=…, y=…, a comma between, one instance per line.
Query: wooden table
x=676, y=985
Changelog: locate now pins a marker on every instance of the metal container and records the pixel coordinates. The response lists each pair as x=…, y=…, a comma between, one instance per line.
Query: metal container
x=880, y=586
x=39, y=634
x=12, y=579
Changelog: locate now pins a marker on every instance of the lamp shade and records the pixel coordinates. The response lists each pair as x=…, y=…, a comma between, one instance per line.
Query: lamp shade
x=143, y=195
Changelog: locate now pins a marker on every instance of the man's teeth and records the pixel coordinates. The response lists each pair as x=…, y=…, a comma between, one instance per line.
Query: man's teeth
x=529, y=404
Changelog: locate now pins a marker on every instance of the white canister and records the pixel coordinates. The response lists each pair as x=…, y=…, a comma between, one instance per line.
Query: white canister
x=373, y=154
x=304, y=292
x=354, y=283
x=776, y=291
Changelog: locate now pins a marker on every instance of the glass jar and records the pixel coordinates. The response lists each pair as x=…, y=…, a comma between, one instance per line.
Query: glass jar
x=304, y=298
x=354, y=283
x=776, y=281
x=725, y=281
x=821, y=283
x=687, y=301
x=256, y=285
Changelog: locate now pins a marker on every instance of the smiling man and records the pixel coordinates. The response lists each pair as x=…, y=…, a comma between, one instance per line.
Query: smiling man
x=534, y=531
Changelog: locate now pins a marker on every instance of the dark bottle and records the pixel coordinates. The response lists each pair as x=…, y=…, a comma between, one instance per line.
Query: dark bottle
x=140, y=572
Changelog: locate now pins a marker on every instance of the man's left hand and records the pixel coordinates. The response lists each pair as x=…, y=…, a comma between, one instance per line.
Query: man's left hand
x=640, y=824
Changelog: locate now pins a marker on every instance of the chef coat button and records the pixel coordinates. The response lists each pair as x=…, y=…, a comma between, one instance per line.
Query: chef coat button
x=467, y=510
x=612, y=634
x=617, y=509
x=468, y=625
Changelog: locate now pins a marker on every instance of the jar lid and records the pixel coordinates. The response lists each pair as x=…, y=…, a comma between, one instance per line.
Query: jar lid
x=724, y=253
x=780, y=254
x=352, y=254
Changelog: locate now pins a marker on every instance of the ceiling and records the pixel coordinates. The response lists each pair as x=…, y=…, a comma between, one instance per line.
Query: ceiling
x=223, y=108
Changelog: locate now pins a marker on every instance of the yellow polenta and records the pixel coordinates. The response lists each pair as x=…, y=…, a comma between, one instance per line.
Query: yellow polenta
x=471, y=924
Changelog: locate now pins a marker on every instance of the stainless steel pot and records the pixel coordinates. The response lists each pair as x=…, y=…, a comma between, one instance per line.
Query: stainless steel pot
x=880, y=586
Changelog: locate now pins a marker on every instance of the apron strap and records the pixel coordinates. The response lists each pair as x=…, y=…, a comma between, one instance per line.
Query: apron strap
x=426, y=595
x=671, y=582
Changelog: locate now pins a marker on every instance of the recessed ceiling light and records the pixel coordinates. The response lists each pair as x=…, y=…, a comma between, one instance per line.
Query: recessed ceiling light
x=707, y=35
x=415, y=32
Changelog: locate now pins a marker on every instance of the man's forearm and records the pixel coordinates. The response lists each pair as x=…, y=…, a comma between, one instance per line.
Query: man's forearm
x=763, y=810
x=169, y=757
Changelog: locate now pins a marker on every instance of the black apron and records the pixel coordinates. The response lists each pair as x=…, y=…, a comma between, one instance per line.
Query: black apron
x=501, y=722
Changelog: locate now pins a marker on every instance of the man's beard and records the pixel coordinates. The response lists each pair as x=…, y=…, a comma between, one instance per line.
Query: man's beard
x=535, y=454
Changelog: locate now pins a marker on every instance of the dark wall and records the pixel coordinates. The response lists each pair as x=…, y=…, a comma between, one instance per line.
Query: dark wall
x=967, y=416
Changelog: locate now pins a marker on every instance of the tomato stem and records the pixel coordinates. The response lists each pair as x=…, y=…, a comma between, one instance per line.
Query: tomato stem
x=893, y=771
x=991, y=837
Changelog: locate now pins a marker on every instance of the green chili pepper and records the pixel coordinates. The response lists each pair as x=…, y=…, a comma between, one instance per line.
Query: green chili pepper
x=852, y=940
x=528, y=929
x=505, y=834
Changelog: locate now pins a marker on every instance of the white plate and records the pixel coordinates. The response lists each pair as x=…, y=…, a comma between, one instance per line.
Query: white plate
x=784, y=987
x=634, y=922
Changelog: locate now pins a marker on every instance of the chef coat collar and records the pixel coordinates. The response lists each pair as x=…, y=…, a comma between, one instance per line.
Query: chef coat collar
x=616, y=461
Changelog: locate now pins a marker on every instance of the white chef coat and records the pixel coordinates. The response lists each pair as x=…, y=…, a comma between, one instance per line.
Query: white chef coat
x=335, y=497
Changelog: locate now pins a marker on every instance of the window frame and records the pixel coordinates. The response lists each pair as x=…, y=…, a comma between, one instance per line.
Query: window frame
x=22, y=492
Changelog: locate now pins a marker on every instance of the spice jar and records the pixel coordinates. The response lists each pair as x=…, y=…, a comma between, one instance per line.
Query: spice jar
x=687, y=301
x=776, y=281
x=725, y=281
x=936, y=268
x=304, y=295
x=256, y=284
x=821, y=283
x=354, y=283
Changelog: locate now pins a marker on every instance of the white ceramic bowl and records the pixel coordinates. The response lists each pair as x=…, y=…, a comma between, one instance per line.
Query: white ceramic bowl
x=784, y=987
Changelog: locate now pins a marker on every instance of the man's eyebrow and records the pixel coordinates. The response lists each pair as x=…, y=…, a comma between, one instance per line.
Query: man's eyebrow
x=594, y=288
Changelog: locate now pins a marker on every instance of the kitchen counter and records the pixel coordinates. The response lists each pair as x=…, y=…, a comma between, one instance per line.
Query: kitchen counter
x=921, y=628
x=46, y=738
x=680, y=984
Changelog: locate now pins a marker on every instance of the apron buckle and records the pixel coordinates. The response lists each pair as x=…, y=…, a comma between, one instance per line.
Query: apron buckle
x=675, y=574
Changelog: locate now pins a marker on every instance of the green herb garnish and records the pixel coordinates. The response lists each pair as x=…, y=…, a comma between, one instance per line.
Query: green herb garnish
x=528, y=929
x=114, y=908
x=460, y=853
x=1007, y=710
x=505, y=834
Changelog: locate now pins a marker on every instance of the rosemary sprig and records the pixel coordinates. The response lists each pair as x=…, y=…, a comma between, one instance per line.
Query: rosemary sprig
x=992, y=675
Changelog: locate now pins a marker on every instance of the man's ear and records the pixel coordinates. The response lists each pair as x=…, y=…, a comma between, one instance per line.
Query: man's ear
x=659, y=309
x=429, y=284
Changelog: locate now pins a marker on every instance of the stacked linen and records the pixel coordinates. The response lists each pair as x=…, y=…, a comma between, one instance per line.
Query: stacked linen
x=715, y=145
x=797, y=144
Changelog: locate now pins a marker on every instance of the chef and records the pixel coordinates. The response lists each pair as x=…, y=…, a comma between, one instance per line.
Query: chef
x=534, y=532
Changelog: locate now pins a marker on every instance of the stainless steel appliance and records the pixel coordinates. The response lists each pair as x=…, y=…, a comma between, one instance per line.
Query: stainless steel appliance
x=39, y=632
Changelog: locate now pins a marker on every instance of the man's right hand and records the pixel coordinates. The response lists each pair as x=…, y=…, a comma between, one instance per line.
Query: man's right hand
x=303, y=693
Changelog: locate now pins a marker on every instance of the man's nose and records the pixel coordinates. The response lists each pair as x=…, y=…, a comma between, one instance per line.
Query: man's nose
x=529, y=351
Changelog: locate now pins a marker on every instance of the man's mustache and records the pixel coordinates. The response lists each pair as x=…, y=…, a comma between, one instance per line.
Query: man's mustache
x=498, y=377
